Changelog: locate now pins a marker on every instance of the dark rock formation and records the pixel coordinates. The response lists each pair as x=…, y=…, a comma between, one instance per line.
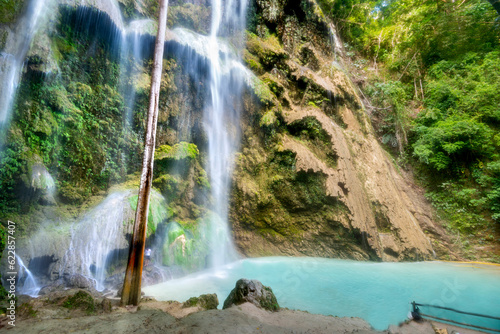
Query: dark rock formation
x=252, y=291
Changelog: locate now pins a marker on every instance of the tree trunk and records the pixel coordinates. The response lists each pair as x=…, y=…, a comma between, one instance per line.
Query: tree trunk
x=131, y=293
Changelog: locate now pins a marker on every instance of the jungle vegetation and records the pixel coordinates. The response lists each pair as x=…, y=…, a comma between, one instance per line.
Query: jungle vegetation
x=431, y=71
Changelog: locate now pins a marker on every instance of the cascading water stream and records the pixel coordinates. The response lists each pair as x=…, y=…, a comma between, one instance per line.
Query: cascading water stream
x=133, y=52
x=92, y=244
x=221, y=123
x=97, y=239
x=11, y=61
x=29, y=286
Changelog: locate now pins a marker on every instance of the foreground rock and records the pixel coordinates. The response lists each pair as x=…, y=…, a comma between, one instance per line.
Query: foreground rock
x=245, y=318
x=77, y=311
x=252, y=291
x=207, y=302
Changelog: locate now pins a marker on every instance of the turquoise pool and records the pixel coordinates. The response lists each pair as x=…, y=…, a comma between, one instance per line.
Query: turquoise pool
x=380, y=293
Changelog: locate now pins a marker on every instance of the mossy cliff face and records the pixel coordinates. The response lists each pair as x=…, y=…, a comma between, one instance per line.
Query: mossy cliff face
x=311, y=179
x=71, y=143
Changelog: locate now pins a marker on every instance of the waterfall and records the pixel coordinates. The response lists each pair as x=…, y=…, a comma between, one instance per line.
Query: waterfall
x=98, y=239
x=135, y=48
x=93, y=246
x=29, y=285
x=12, y=60
x=221, y=125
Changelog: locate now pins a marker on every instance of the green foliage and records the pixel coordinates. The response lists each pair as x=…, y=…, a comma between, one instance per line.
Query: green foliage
x=202, y=179
x=179, y=151
x=3, y=242
x=157, y=211
x=73, y=122
x=11, y=166
x=393, y=97
x=310, y=127
x=10, y=10
x=457, y=133
x=81, y=300
x=269, y=119
x=262, y=91
x=461, y=207
x=457, y=141
x=438, y=62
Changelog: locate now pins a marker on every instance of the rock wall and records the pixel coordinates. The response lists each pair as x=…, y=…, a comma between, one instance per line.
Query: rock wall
x=311, y=178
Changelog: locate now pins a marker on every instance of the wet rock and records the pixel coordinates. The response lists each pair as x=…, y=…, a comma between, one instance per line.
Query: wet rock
x=252, y=291
x=81, y=300
x=207, y=302
x=106, y=305
x=80, y=281
x=22, y=299
x=55, y=286
x=153, y=275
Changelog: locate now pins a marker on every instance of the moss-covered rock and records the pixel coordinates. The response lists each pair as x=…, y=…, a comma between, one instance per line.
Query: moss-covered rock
x=179, y=151
x=252, y=291
x=206, y=302
x=81, y=300
x=10, y=10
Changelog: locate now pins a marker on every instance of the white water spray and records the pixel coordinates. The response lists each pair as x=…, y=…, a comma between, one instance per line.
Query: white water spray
x=96, y=238
x=11, y=61
x=29, y=285
x=221, y=124
x=132, y=55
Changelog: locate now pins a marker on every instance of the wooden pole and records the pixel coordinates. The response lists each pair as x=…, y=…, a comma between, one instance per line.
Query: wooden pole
x=131, y=293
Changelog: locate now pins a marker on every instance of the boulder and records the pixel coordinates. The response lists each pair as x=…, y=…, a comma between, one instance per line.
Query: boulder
x=53, y=287
x=80, y=281
x=207, y=302
x=252, y=291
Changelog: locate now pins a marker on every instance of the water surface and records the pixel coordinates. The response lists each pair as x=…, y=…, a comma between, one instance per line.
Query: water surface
x=380, y=293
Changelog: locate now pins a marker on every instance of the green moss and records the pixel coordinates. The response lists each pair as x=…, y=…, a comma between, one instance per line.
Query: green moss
x=158, y=210
x=175, y=230
x=269, y=119
x=253, y=62
x=268, y=51
x=179, y=151
x=27, y=310
x=3, y=39
x=207, y=302
x=262, y=91
x=63, y=46
x=81, y=300
x=167, y=183
x=184, y=246
x=202, y=179
x=311, y=133
x=269, y=303
x=191, y=16
x=10, y=10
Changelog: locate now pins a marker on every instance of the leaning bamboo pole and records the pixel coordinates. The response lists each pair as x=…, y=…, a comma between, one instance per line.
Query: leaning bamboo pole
x=131, y=293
